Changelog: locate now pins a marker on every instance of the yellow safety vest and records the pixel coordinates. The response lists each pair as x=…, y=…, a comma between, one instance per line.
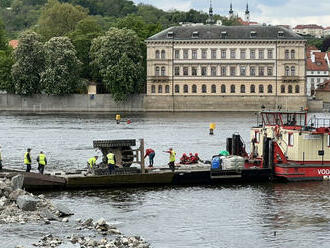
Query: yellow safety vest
x=42, y=159
x=111, y=158
x=172, y=156
x=91, y=162
x=26, y=161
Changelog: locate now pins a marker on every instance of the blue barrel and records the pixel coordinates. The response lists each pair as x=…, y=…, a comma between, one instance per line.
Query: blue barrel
x=216, y=163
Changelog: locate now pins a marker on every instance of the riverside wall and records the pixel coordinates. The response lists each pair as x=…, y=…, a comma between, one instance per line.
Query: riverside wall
x=144, y=103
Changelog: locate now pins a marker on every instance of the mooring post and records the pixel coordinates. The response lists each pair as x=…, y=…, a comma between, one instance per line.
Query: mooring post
x=142, y=155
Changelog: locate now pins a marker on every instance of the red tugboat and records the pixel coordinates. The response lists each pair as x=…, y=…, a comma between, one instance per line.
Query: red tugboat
x=297, y=150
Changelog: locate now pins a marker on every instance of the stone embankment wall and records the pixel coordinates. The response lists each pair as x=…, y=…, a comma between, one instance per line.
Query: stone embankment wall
x=143, y=103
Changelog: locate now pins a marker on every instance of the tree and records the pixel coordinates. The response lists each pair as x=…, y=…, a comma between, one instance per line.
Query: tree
x=3, y=38
x=311, y=41
x=59, y=19
x=61, y=74
x=29, y=57
x=326, y=44
x=118, y=54
x=86, y=30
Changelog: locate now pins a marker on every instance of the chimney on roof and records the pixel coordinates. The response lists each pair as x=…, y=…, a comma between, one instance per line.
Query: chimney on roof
x=170, y=34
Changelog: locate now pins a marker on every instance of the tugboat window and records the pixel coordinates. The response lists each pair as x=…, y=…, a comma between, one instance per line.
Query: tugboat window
x=290, y=139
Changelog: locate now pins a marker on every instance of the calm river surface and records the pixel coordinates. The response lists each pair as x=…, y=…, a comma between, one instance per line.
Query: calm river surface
x=222, y=216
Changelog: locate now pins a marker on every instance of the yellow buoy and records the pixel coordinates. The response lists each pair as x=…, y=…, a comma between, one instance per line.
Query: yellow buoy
x=118, y=117
x=212, y=126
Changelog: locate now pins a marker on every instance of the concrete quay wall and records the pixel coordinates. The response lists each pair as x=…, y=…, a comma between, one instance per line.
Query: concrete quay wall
x=144, y=103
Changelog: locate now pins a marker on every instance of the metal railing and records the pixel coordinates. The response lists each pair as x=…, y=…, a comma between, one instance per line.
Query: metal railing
x=317, y=122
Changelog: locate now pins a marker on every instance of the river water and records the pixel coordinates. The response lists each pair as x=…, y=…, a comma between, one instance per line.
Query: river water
x=253, y=215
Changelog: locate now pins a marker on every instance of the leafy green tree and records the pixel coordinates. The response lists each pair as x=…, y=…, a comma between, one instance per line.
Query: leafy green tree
x=29, y=57
x=61, y=74
x=3, y=38
x=118, y=54
x=326, y=44
x=59, y=19
x=311, y=41
x=86, y=30
x=5, y=3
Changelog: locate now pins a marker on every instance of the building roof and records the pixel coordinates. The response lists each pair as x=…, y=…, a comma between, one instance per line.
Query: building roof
x=325, y=86
x=312, y=26
x=215, y=32
x=13, y=43
x=320, y=63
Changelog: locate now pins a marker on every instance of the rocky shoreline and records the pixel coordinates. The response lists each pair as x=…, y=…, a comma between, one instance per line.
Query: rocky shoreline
x=19, y=206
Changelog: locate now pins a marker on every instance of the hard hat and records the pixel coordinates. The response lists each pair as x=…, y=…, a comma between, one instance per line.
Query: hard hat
x=184, y=154
x=190, y=154
x=196, y=154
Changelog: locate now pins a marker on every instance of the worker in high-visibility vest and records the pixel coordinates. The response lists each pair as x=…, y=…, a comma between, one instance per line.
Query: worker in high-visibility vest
x=172, y=158
x=92, y=161
x=111, y=161
x=27, y=160
x=42, y=161
x=0, y=159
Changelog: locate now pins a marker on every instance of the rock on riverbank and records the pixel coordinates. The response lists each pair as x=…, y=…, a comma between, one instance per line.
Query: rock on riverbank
x=19, y=206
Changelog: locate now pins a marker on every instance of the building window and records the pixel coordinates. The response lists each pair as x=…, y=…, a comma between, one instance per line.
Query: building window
x=213, y=71
x=163, y=70
x=163, y=54
x=297, y=89
x=223, y=71
x=223, y=88
x=243, y=53
x=157, y=71
x=185, y=88
x=261, y=54
x=223, y=53
x=167, y=89
x=252, y=88
x=177, y=54
x=252, y=71
x=194, y=54
x=243, y=70
x=242, y=88
x=204, y=71
x=290, y=89
x=157, y=55
x=270, y=53
x=293, y=54
x=194, y=88
x=293, y=71
x=203, y=88
x=160, y=89
x=232, y=88
x=214, y=88
x=213, y=53
x=177, y=88
x=286, y=54
x=185, y=53
x=290, y=139
x=232, y=53
x=287, y=71
x=252, y=53
x=312, y=80
x=328, y=142
x=232, y=71
x=204, y=53
x=194, y=71
x=177, y=71
x=270, y=88
x=185, y=71
x=318, y=80
x=270, y=71
x=261, y=88
x=261, y=71
x=153, y=89
x=282, y=88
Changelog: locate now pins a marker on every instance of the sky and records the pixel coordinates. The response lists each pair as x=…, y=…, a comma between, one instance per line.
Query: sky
x=289, y=12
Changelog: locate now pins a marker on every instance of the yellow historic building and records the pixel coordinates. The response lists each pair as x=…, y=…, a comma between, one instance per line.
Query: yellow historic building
x=226, y=60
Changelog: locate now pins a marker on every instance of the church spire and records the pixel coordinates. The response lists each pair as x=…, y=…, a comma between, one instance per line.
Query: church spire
x=231, y=12
x=210, y=20
x=247, y=13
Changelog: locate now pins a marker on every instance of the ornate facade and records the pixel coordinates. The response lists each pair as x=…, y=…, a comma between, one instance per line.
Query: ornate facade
x=223, y=60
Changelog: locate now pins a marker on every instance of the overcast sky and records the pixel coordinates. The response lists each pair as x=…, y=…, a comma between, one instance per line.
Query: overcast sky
x=291, y=12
